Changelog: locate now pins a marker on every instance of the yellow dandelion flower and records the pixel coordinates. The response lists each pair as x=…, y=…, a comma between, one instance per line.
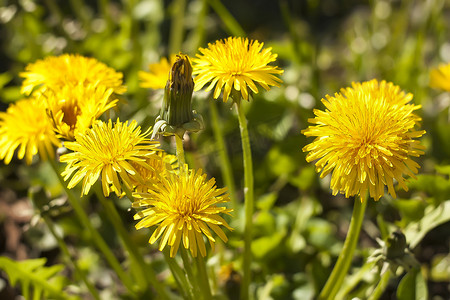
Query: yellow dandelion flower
x=235, y=63
x=440, y=77
x=74, y=109
x=185, y=207
x=157, y=166
x=108, y=150
x=55, y=72
x=158, y=75
x=365, y=138
x=25, y=125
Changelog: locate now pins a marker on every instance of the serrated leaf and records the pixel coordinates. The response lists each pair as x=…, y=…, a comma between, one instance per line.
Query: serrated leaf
x=37, y=280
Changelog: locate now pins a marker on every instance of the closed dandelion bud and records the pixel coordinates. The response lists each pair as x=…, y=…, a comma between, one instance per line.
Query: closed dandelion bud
x=176, y=115
x=394, y=253
x=396, y=245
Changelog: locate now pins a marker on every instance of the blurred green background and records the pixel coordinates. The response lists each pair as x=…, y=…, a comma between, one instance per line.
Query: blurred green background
x=322, y=46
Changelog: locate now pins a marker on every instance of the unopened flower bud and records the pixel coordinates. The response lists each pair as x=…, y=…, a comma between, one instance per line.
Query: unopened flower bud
x=176, y=115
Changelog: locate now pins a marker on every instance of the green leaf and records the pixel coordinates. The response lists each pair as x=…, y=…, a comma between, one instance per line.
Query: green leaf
x=440, y=267
x=434, y=185
x=412, y=286
x=433, y=217
x=37, y=280
x=266, y=202
x=266, y=245
x=410, y=209
x=445, y=169
x=5, y=78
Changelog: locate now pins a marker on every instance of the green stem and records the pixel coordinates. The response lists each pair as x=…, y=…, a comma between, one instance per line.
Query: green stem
x=294, y=38
x=62, y=245
x=176, y=29
x=248, y=205
x=203, y=277
x=194, y=286
x=144, y=273
x=381, y=286
x=232, y=26
x=104, y=9
x=180, y=153
x=199, y=31
x=351, y=283
x=79, y=9
x=225, y=164
x=179, y=276
x=96, y=237
x=339, y=272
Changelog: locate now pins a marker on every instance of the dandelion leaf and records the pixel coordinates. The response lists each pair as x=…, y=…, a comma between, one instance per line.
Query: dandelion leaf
x=36, y=280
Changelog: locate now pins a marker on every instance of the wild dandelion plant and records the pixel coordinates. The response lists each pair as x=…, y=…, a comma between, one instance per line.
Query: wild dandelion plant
x=135, y=221
x=183, y=205
x=236, y=65
x=67, y=94
x=366, y=139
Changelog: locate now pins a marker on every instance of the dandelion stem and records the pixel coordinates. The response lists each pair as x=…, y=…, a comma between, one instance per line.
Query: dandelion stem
x=79, y=9
x=354, y=280
x=143, y=273
x=177, y=26
x=62, y=245
x=225, y=164
x=179, y=275
x=248, y=205
x=194, y=286
x=339, y=272
x=381, y=286
x=180, y=153
x=232, y=26
x=96, y=237
x=203, y=277
x=104, y=9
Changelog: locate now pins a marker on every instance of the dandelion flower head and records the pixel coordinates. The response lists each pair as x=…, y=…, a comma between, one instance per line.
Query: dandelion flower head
x=74, y=109
x=25, y=126
x=158, y=75
x=55, y=72
x=184, y=207
x=366, y=138
x=106, y=151
x=440, y=77
x=235, y=63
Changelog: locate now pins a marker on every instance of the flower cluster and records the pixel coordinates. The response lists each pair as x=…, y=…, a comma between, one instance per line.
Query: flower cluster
x=66, y=94
x=76, y=90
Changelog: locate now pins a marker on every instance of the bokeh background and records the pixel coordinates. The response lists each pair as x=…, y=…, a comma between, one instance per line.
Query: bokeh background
x=322, y=46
